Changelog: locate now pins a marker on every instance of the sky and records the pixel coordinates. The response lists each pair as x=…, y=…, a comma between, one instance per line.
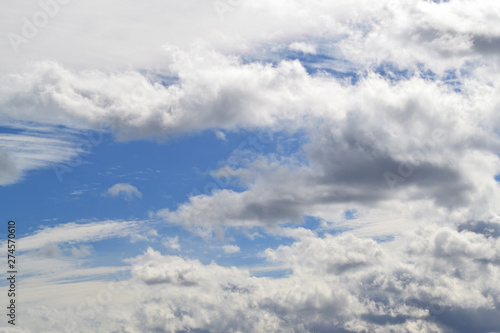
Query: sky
x=251, y=166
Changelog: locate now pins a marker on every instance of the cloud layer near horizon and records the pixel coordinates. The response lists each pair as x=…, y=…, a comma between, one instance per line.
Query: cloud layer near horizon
x=434, y=279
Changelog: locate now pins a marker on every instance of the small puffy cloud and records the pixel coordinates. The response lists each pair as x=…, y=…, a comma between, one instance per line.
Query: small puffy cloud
x=303, y=47
x=171, y=243
x=220, y=135
x=231, y=248
x=125, y=190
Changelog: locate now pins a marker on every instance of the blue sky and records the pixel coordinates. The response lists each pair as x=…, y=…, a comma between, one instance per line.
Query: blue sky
x=301, y=166
x=166, y=172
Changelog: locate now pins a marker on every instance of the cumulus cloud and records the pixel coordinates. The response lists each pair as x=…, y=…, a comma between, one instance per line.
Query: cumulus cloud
x=432, y=279
x=408, y=141
x=125, y=190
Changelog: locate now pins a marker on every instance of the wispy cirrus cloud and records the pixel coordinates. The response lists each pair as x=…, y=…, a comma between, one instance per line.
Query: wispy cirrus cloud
x=78, y=233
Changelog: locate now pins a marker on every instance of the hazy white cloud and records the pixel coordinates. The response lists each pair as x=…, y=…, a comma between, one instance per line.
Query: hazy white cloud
x=32, y=148
x=220, y=135
x=125, y=190
x=73, y=233
x=81, y=251
x=171, y=243
x=231, y=249
x=303, y=47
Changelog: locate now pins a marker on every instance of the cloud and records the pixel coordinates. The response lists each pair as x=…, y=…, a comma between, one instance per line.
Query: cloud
x=26, y=147
x=81, y=251
x=8, y=172
x=171, y=243
x=303, y=47
x=220, y=135
x=433, y=278
x=62, y=254
x=72, y=233
x=392, y=147
x=228, y=249
x=127, y=191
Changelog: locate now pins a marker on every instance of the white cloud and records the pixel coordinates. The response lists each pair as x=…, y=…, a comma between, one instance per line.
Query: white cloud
x=303, y=47
x=229, y=249
x=171, y=243
x=220, y=135
x=382, y=146
x=72, y=233
x=127, y=191
x=430, y=279
x=62, y=254
x=35, y=147
x=81, y=251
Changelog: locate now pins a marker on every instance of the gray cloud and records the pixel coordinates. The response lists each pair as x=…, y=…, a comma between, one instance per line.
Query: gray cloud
x=430, y=279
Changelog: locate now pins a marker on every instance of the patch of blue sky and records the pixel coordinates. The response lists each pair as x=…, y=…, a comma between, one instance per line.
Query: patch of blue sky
x=156, y=76
x=321, y=64
x=426, y=73
x=317, y=225
x=384, y=239
x=251, y=251
x=326, y=60
x=274, y=273
x=350, y=214
x=453, y=79
x=114, y=251
x=308, y=222
x=10, y=130
x=275, y=145
x=392, y=72
x=166, y=174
